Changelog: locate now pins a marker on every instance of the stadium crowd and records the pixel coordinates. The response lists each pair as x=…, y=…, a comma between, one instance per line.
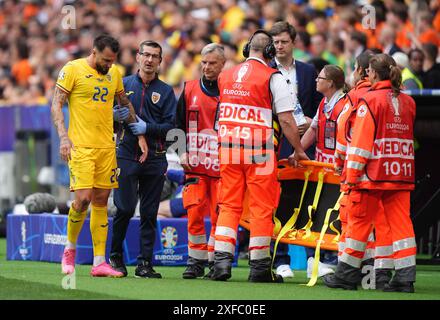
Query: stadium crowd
x=37, y=37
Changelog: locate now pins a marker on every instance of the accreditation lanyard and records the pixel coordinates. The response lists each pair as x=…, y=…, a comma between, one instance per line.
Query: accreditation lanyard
x=330, y=134
x=330, y=125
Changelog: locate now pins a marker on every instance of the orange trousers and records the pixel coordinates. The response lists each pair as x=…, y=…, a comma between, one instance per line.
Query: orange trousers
x=200, y=199
x=260, y=181
x=344, y=217
x=389, y=212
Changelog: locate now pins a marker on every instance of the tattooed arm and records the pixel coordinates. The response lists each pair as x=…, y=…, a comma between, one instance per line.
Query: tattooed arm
x=59, y=98
x=123, y=101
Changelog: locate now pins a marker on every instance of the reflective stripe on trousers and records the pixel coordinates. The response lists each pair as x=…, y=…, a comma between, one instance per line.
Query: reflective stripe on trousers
x=224, y=246
x=350, y=260
x=197, y=239
x=198, y=254
x=259, y=247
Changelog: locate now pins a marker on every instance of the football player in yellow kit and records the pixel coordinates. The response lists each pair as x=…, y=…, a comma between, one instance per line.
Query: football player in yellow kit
x=90, y=85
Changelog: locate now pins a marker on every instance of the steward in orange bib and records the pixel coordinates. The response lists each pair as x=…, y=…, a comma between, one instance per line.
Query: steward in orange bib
x=249, y=95
x=380, y=173
x=196, y=115
x=343, y=138
x=330, y=82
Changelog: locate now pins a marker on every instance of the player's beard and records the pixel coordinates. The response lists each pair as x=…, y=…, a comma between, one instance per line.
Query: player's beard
x=101, y=69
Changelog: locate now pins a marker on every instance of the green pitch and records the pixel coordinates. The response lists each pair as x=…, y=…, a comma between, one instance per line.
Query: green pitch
x=40, y=280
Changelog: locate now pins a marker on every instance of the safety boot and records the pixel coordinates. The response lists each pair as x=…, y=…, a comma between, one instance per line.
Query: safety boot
x=261, y=271
x=346, y=277
x=383, y=277
x=407, y=287
x=211, y=270
x=195, y=268
x=403, y=281
x=332, y=281
x=222, y=266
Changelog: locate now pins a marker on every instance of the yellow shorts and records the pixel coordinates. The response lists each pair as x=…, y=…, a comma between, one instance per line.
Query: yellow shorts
x=93, y=168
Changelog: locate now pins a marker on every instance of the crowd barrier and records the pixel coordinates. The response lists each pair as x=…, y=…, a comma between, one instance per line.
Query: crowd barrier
x=42, y=237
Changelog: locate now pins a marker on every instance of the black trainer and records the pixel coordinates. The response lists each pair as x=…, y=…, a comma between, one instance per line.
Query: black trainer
x=407, y=287
x=117, y=263
x=331, y=281
x=193, y=271
x=145, y=270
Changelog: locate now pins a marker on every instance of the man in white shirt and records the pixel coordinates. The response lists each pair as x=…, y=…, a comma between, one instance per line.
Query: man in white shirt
x=300, y=78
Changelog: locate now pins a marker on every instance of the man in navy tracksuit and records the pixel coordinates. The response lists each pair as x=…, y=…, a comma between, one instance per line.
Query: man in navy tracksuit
x=155, y=106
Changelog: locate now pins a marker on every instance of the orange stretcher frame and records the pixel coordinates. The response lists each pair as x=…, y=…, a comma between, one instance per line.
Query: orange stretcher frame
x=295, y=236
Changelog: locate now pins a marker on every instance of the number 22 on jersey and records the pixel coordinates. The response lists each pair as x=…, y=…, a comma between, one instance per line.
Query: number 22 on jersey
x=100, y=94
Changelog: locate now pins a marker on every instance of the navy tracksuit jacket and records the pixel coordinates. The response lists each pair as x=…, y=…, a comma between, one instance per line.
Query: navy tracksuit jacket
x=155, y=103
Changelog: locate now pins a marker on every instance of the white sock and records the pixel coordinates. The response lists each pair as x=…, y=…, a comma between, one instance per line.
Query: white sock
x=97, y=260
x=70, y=245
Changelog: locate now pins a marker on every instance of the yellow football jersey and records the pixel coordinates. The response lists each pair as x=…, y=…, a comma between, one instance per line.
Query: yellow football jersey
x=91, y=97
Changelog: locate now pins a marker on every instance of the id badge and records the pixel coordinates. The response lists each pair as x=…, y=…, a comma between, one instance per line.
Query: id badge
x=330, y=134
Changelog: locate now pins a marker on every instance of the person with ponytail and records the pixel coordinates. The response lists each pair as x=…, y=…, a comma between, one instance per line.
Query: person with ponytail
x=361, y=84
x=380, y=177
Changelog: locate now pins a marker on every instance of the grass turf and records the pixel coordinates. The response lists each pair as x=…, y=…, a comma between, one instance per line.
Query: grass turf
x=40, y=280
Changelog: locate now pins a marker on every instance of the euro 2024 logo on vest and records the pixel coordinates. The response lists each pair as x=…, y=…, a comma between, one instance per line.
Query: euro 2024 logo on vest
x=241, y=74
x=395, y=107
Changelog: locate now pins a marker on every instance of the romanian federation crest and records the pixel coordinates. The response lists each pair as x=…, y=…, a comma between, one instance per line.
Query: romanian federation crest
x=168, y=237
x=155, y=97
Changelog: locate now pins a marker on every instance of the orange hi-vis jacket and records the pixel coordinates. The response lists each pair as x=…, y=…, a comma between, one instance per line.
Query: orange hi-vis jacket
x=345, y=125
x=202, y=144
x=327, y=131
x=245, y=114
x=245, y=122
x=343, y=139
x=381, y=153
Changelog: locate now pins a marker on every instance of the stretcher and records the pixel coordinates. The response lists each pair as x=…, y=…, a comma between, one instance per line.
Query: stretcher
x=308, y=210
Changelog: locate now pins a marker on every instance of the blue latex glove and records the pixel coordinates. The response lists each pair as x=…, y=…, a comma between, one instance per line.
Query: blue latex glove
x=139, y=127
x=177, y=176
x=120, y=113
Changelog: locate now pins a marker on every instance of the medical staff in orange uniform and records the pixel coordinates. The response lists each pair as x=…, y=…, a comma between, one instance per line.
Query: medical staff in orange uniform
x=250, y=94
x=380, y=174
x=196, y=115
x=359, y=79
